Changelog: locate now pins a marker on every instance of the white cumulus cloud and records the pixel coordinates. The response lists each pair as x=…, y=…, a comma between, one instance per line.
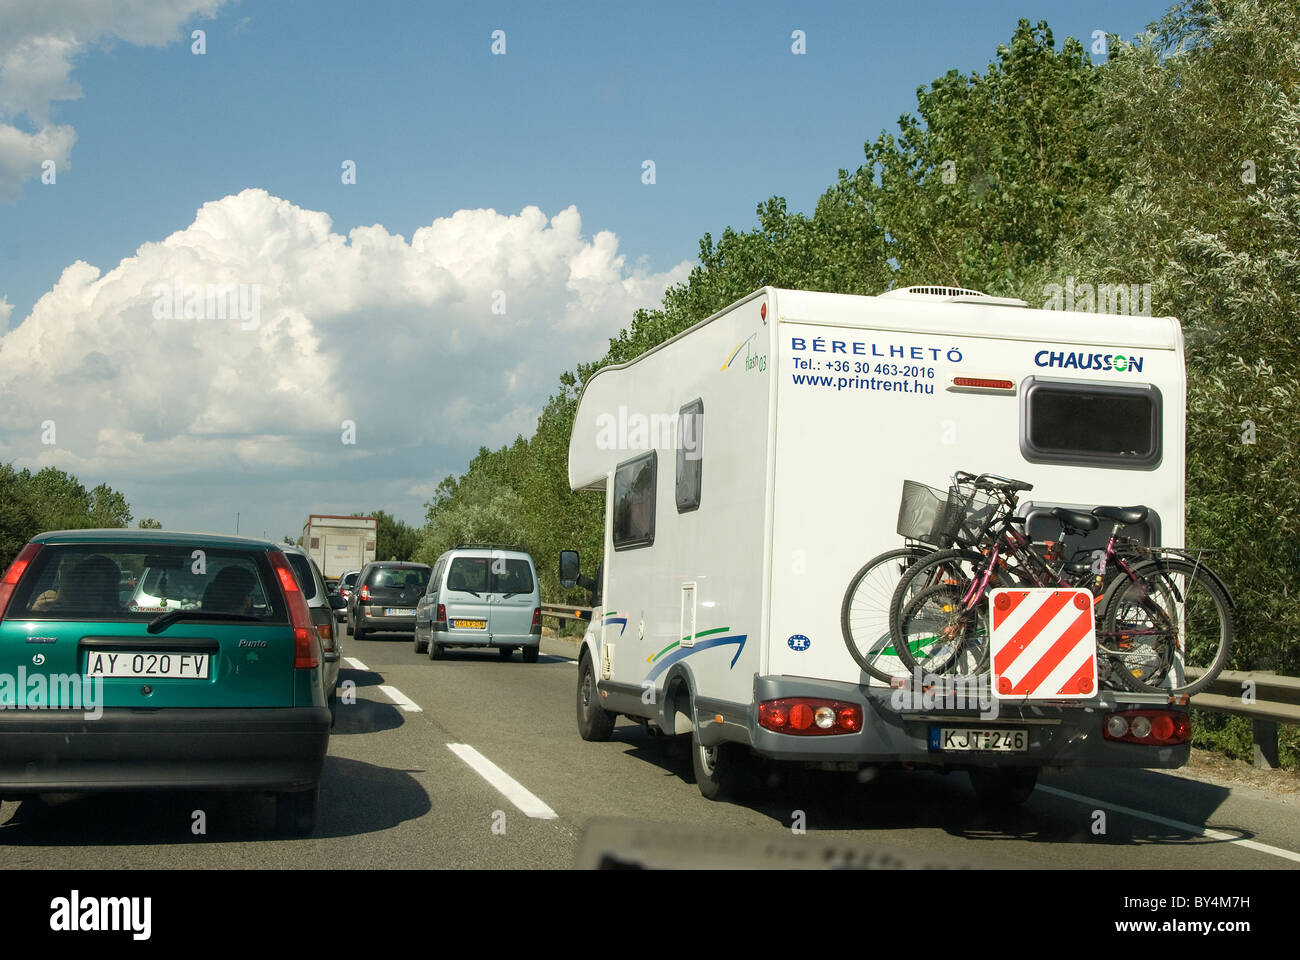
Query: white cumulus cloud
x=40, y=41
x=429, y=348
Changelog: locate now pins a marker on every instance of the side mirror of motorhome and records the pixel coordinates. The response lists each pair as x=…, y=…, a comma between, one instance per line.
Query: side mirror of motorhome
x=569, y=567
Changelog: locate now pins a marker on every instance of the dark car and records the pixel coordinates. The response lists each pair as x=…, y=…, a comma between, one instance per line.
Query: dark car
x=386, y=594
x=207, y=676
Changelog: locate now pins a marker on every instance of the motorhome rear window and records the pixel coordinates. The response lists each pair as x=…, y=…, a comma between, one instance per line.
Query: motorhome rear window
x=634, y=502
x=1097, y=424
x=690, y=455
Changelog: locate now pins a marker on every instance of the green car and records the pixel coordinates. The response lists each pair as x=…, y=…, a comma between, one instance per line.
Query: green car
x=153, y=660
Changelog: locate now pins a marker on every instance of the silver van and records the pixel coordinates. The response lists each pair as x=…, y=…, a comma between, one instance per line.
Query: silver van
x=481, y=595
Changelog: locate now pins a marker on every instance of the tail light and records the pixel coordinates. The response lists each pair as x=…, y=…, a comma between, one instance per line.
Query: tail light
x=1152, y=728
x=809, y=716
x=306, y=646
x=364, y=597
x=442, y=616
x=537, y=616
x=15, y=573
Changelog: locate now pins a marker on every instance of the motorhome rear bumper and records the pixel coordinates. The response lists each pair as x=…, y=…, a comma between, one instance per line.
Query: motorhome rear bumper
x=898, y=728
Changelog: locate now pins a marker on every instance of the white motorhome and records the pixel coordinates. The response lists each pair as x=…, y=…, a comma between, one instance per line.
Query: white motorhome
x=751, y=464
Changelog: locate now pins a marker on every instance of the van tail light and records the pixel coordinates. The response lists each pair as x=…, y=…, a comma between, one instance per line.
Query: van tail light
x=809, y=716
x=537, y=616
x=364, y=596
x=1152, y=728
x=15, y=573
x=440, y=621
x=306, y=642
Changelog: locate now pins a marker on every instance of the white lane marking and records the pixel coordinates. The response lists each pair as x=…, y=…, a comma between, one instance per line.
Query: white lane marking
x=1177, y=824
x=510, y=788
x=355, y=664
x=401, y=699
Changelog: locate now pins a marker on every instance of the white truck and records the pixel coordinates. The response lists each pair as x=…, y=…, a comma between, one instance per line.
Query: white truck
x=753, y=463
x=339, y=544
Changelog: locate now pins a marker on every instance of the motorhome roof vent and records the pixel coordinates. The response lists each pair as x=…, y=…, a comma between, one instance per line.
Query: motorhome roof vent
x=951, y=295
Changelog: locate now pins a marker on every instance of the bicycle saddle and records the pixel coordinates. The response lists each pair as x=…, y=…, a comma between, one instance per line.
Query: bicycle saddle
x=1075, y=519
x=1124, y=515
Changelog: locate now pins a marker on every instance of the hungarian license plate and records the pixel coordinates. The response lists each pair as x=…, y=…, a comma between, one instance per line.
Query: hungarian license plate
x=468, y=624
x=966, y=738
x=399, y=611
x=178, y=666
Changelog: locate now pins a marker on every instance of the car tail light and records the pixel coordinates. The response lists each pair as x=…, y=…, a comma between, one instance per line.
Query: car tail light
x=365, y=595
x=537, y=616
x=1152, y=728
x=809, y=716
x=442, y=614
x=306, y=646
x=15, y=573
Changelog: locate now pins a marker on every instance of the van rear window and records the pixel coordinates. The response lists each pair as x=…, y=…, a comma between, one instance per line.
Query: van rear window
x=106, y=581
x=1087, y=423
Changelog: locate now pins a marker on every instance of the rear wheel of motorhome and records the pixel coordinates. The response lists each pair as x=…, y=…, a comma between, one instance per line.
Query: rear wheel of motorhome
x=1003, y=786
x=864, y=614
x=723, y=771
x=937, y=635
x=594, y=721
x=1171, y=629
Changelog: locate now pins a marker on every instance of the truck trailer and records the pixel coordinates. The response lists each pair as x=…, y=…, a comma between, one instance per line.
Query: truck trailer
x=339, y=544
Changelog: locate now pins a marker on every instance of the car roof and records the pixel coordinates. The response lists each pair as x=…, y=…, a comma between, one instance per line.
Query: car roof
x=157, y=537
x=489, y=552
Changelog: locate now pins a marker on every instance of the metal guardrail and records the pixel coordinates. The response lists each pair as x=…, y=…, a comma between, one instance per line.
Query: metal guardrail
x=565, y=614
x=1267, y=698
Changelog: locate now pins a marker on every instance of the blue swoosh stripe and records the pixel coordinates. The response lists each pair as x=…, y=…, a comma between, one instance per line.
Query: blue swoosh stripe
x=682, y=652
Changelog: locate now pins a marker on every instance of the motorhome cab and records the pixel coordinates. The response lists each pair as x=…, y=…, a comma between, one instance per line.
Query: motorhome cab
x=751, y=465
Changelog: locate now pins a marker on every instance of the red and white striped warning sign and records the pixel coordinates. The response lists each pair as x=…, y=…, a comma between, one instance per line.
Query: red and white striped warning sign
x=1043, y=644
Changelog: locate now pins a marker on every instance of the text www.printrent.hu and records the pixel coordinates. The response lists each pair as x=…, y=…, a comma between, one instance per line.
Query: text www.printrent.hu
x=864, y=383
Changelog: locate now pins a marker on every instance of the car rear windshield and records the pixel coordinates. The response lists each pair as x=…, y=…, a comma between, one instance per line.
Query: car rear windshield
x=107, y=581
x=490, y=575
x=398, y=578
x=302, y=571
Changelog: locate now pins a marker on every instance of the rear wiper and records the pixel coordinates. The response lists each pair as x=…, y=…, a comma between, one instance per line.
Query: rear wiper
x=167, y=619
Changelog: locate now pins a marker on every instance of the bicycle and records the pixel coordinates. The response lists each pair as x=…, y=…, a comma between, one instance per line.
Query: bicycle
x=1159, y=610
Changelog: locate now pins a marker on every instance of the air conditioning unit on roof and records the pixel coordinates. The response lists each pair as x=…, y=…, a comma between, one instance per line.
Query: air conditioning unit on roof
x=951, y=295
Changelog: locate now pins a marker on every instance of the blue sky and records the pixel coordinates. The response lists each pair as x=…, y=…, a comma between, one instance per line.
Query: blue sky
x=435, y=124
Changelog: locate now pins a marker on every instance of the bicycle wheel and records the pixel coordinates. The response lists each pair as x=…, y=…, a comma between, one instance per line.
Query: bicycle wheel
x=939, y=636
x=1170, y=629
x=953, y=567
x=864, y=614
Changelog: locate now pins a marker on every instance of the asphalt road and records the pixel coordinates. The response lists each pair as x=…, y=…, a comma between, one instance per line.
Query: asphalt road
x=414, y=780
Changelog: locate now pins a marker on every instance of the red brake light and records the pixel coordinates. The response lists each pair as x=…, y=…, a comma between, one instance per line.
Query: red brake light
x=442, y=613
x=537, y=616
x=306, y=646
x=982, y=383
x=799, y=715
x=1167, y=727
x=364, y=596
x=15, y=573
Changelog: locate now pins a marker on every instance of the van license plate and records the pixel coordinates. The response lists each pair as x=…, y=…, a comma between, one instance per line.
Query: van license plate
x=966, y=738
x=180, y=666
x=469, y=624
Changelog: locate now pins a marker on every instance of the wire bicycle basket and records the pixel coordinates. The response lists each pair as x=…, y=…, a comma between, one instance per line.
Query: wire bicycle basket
x=957, y=516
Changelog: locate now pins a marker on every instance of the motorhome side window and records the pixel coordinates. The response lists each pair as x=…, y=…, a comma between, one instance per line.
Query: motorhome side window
x=634, y=502
x=1098, y=424
x=690, y=455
